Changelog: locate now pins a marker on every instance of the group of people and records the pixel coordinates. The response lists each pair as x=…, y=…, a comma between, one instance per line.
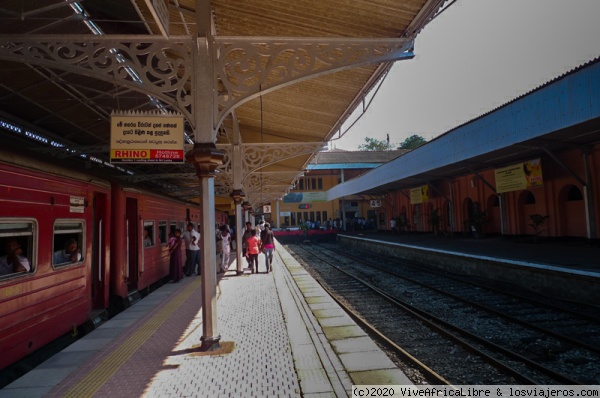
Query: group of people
x=258, y=240
x=15, y=260
x=254, y=241
x=191, y=240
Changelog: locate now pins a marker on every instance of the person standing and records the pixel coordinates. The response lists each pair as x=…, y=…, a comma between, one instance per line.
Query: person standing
x=267, y=242
x=192, y=250
x=252, y=250
x=393, y=225
x=247, y=234
x=225, y=248
x=176, y=259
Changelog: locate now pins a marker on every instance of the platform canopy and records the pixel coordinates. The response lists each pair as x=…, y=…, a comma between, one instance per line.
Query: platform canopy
x=285, y=77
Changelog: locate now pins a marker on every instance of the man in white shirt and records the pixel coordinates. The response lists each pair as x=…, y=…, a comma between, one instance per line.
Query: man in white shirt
x=191, y=238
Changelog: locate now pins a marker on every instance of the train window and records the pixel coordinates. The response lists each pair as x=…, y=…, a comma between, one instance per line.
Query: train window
x=16, y=247
x=148, y=236
x=162, y=232
x=173, y=227
x=68, y=242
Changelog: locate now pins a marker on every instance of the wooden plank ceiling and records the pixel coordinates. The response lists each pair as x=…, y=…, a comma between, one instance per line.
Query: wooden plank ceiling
x=75, y=109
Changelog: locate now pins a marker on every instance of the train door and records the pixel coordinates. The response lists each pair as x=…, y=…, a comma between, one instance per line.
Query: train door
x=131, y=211
x=100, y=234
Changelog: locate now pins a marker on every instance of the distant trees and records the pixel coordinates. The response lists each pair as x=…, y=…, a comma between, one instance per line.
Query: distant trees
x=373, y=144
x=412, y=142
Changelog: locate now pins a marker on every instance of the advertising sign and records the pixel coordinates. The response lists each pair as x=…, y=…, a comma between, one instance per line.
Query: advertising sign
x=419, y=195
x=519, y=176
x=305, y=197
x=146, y=138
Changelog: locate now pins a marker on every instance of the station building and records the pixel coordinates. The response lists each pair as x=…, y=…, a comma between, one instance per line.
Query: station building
x=307, y=200
x=526, y=169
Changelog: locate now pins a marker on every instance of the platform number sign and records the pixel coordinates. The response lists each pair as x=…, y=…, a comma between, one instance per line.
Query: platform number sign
x=375, y=203
x=267, y=209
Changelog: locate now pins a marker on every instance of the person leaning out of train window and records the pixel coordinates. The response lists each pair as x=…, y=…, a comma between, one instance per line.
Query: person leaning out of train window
x=147, y=239
x=69, y=254
x=14, y=260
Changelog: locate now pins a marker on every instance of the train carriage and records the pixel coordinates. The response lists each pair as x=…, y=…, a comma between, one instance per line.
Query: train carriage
x=45, y=211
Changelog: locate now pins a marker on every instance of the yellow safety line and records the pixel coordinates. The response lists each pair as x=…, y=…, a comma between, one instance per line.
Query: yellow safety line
x=88, y=386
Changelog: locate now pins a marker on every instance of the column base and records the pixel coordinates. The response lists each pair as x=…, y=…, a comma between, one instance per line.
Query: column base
x=210, y=343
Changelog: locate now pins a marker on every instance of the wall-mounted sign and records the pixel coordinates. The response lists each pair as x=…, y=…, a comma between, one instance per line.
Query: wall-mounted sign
x=519, y=176
x=419, y=195
x=267, y=209
x=146, y=137
x=77, y=204
x=306, y=197
x=375, y=203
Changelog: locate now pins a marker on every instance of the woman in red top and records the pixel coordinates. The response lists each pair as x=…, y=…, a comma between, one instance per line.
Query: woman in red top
x=252, y=250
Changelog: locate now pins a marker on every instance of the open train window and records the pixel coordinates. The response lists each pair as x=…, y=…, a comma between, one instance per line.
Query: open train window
x=162, y=232
x=173, y=227
x=17, y=244
x=148, y=234
x=68, y=243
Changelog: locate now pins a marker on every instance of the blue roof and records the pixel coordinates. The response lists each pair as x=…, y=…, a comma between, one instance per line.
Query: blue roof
x=335, y=166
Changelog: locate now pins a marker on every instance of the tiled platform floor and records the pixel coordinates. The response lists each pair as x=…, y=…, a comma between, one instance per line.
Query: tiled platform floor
x=289, y=339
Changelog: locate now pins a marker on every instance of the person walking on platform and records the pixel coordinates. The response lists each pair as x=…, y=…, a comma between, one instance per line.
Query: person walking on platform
x=192, y=250
x=247, y=235
x=252, y=250
x=267, y=244
x=225, y=248
x=176, y=259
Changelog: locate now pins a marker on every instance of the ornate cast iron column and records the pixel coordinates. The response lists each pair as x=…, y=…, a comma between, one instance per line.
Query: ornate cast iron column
x=206, y=157
x=238, y=197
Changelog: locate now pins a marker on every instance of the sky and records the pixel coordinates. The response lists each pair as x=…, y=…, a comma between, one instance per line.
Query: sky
x=477, y=55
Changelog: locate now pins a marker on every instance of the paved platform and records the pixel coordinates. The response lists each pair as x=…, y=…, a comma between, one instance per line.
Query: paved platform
x=282, y=336
x=565, y=270
x=575, y=255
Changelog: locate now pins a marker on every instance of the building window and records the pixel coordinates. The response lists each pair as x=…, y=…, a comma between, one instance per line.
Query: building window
x=324, y=216
x=299, y=217
x=301, y=184
x=320, y=183
x=68, y=243
x=17, y=237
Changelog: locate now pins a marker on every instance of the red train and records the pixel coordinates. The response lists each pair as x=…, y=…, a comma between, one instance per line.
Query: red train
x=43, y=212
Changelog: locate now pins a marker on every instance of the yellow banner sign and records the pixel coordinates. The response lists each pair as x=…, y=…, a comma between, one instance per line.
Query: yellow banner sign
x=419, y=195
x=147, y=138
x=519, y=176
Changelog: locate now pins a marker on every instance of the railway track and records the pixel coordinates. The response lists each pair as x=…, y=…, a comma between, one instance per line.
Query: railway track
x=463, y=332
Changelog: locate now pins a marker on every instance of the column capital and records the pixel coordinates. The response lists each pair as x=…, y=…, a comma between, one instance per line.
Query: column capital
x=205, y=157
x=238, y=196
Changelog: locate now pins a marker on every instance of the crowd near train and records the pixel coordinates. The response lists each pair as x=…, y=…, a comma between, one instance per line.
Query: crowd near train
x=72, y=247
